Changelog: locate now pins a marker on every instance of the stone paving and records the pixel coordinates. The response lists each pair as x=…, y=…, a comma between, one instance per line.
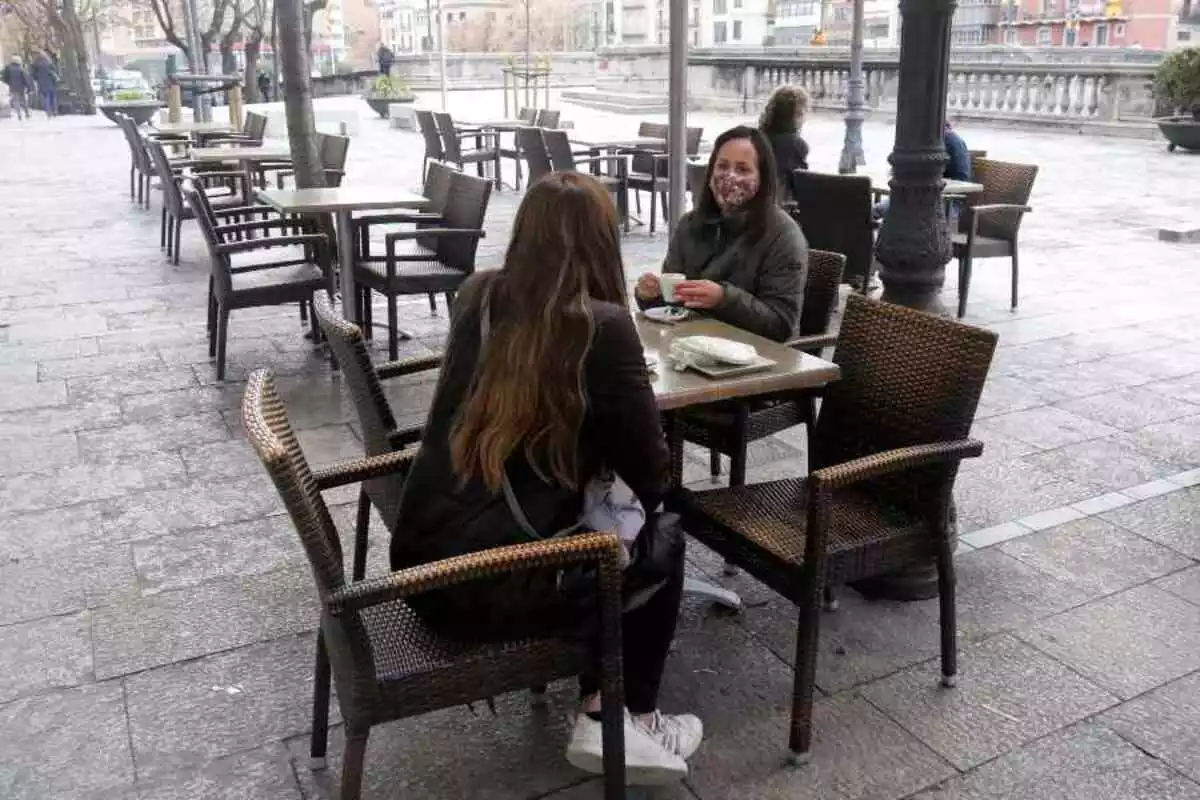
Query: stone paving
x=156, y=611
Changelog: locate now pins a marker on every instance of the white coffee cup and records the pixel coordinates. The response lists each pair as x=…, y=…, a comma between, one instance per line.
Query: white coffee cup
x=667, y=283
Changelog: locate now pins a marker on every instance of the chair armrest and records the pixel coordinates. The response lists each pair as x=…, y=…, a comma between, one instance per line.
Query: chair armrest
x=816, y=341
x=392, y=238
x=256, y=225
x=990, y=207
x=616, y=159
x=602, y=549
x=247, y=245
x=898, y=460
x=405, y=437
x=408, y=366
x=427, y=217
x=221, y=213
x=363, y=468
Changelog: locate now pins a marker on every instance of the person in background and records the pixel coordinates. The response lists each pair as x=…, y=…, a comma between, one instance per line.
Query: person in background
x=264, y=86
x=781, y=122
x=958, y=165
x=745, y=259
x=19, y=84
x=385, y=58
x=553, y=395
x=45, y=77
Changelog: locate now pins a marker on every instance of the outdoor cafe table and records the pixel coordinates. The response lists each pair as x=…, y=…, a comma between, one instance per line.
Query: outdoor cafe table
x=342, y=202
x=246, y=158
x=792, y=371
x=194, y=128
x=951, y=188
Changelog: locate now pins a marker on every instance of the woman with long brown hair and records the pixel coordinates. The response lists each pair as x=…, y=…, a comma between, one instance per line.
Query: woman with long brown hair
x=544, y=385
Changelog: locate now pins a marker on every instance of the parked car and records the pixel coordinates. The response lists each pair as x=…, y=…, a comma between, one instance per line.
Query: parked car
x=125, y=82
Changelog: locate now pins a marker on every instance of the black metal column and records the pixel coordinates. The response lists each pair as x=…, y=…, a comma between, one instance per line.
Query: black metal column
x=914, y=243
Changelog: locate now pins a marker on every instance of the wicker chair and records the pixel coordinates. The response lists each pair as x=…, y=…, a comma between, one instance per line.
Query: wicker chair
x=253, y=130
x=836, y=214
x=697, y=171
x=564, y=159
x=533, y=148
x=546, y=118
x=452, y=143
x=433, y=140
x=885, y=453
x=270, y=283
x=331, y=148
x=728, y=428
x=649, y=170
x=527, y=116
x=386, y=664
x=410, y=268
x=140, y=168
x=991, y=220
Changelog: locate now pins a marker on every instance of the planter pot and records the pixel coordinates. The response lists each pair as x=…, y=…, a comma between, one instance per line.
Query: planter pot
x=141, y=111
x=1180, y=132
x=380, y=104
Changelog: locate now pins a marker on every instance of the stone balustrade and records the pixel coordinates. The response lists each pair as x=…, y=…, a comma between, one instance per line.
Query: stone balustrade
x=1104, y=91
x=486, y=70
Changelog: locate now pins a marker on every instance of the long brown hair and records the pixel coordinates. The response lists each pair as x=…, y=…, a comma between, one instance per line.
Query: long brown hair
x=528, y=391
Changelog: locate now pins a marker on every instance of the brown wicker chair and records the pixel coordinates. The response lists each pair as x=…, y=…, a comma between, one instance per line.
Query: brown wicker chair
x=527, y=116
x=649, y=170
x=386, y=664
x=991, y=220
x=411, y=268
x=380, y=435
x=836, y=214
x=545, y=118
x=331, y=148
x=253, y=130
x=270, y=283
x=483, y=153
x=533, y=149
x=564, y=159
x=434, y=151
x=728, y=428
x=885, y=453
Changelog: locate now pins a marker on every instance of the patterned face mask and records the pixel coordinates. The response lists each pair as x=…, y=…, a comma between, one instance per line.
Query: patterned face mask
x=733, y=191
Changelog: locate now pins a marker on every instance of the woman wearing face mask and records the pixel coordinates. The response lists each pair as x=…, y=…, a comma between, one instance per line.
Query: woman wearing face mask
x=744, y=258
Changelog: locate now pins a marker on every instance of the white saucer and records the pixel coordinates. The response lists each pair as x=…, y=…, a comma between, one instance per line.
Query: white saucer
x=666, y=314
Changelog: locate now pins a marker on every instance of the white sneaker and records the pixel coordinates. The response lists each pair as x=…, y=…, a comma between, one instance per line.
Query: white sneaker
x=677, y=733
x=647, y=763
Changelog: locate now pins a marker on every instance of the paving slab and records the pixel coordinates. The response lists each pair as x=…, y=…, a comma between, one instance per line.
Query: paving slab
x=1165, y=723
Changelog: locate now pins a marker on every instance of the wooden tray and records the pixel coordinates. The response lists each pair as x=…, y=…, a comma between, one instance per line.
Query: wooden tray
x=733, y=371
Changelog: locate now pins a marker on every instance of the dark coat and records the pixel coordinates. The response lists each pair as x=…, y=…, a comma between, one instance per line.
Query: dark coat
x=762, y=274
x=44, y=75
x=16, y=78
x=440, y=516
x=791, y=153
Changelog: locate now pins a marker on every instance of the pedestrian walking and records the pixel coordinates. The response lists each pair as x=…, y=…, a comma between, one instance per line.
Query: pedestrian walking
x=45, y=77
x=385, y=58
x=264, y=86
x=18, y=82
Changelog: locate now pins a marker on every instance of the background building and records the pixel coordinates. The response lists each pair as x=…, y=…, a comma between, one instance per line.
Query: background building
x=1149, y=24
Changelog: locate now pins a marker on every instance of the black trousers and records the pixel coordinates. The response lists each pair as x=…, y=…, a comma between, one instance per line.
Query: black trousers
x=530, y=605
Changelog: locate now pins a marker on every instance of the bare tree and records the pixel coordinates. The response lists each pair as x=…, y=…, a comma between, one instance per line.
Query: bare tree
x=164, y=13
x=297, y=92
x=257, y=15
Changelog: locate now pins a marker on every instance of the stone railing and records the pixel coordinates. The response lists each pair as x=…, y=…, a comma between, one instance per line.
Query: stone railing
x=1100, y=91
x=486, y=70
x=344, y=83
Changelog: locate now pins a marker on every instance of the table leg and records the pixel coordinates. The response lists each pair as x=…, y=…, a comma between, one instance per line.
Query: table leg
x=721, y=596
x=345, y=228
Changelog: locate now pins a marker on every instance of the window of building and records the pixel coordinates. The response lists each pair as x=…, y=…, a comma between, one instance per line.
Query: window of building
x=841, y=14
x=719, y=7
x=737, y=30
x=1101, y=38
x=1010, y=36
x=1044, y=36
x=737, y=3
x=1069, y=37
x=719, y=33
x=1184, y=36
x=1119, y=30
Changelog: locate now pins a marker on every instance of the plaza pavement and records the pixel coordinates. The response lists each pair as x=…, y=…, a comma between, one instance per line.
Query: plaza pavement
x=156, y=610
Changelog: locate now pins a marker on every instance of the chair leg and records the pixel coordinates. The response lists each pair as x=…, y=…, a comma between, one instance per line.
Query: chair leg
x=807, y=636
x=162, y=230
x=714, y=462
x=393, y=328
x=312, y=315
x=212, y=320
x=169, y=230
x=831, y=601
x=303, y=314
x=637, y=201
x=352, y=764
x=964, y=283
x=319, y=744
x=449, y=300
x=178, y=233
x=367, y=317
x=132, y=171
x=947, y=612
x=433, y=304
x=362, y=527
x=1015, y=276
x=653, y=206
x=737, y=455
x=222, y=336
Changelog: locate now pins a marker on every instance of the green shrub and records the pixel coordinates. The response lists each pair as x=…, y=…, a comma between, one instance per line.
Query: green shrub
x=390, y=88
x=1177, y=81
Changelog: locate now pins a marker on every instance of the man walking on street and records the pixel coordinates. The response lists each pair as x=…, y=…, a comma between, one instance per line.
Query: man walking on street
x=45, y=77
x=385, y=58
x=17, y=79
